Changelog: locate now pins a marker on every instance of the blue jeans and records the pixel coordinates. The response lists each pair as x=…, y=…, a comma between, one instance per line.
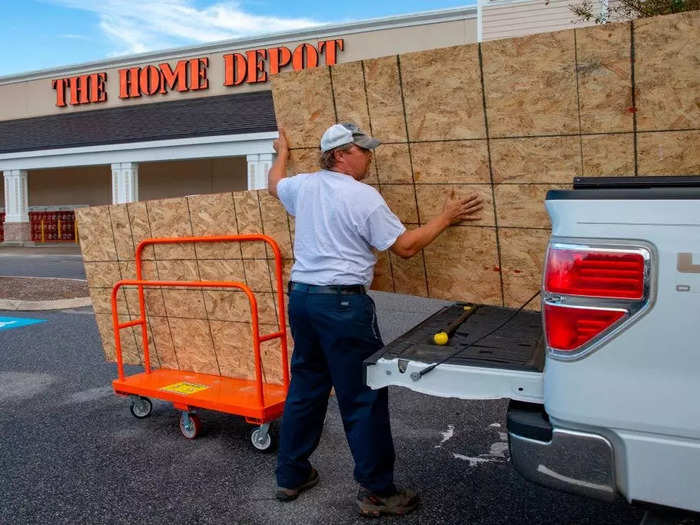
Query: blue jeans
x=333, y=333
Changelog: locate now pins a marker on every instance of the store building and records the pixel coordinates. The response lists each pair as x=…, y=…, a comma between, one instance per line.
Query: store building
x=190, y=120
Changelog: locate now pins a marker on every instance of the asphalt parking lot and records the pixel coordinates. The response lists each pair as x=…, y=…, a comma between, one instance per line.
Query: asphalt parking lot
x=72, y=453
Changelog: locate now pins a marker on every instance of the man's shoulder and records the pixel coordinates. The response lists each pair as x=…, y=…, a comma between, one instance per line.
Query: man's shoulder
x=294, y=179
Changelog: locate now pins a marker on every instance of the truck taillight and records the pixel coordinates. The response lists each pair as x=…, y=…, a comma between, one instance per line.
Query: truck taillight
x=590, y=292
x=570, y=328
x=595, y=274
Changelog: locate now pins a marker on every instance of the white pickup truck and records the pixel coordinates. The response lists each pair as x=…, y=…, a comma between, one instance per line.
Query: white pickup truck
x=605, y=382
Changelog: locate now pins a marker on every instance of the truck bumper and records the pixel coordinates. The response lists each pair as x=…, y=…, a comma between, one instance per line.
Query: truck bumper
x=571, y=461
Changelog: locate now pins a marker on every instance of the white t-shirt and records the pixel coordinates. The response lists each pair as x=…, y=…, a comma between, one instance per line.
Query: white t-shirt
x=338, y=222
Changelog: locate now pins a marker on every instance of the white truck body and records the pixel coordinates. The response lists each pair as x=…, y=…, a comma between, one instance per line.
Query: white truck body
x=623, y=417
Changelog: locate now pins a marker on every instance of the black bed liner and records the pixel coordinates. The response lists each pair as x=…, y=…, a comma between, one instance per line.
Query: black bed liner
x=519, y=345
x=630, y=188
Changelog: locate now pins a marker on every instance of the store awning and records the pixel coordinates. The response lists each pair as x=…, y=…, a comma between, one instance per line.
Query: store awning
x=207, y=116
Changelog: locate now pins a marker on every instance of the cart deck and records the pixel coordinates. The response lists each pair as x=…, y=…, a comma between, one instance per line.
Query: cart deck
x=186, y=390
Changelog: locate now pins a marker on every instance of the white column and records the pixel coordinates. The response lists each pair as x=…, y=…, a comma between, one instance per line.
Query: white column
x=16, y=196
x=258, y=166
x=125, y=182
x=479, y=20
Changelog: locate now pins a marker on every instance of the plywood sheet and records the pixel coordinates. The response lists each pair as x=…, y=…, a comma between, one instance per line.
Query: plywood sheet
x=95, y=231
x=303, y=160
x=538, y=160
x=432, y=197
x=522, y=205
x=385, y=99
x=463, y=262
x=530, y=85
x=429, y=88
x=667, y=60
x=604, y=69
x=401, y=198
x=171, y=218
x=393, y=164
x=305, y=106
x=669, y=153
x=210, y=215
x=350, y=94
x=456, y=161
x=522, y=262
x=608, y=155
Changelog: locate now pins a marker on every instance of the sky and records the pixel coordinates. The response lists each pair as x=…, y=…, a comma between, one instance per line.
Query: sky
x=41, y=34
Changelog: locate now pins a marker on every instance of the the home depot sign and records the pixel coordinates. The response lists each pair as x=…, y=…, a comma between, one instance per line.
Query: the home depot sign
x=250, y=67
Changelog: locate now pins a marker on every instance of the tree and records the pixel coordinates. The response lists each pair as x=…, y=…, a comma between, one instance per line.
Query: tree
x=629, y=9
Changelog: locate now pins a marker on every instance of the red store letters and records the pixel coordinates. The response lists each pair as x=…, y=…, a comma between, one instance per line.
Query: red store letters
x=251, y=67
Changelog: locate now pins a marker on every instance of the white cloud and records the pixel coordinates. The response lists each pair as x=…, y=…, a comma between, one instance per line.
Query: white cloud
x=140, y=26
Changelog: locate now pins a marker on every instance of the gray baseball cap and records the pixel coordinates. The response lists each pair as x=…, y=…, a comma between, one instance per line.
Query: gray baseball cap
x=346, y=133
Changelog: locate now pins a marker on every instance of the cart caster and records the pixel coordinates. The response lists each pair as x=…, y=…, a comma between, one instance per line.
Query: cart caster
x=189, y=425
x=140, y=407
x=261, y=439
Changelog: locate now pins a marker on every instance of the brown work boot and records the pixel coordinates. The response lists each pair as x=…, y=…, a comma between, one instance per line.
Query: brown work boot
x=400, y=502
x=285, y=494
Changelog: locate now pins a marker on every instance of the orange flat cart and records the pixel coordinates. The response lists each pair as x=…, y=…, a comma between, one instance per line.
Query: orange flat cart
x=259, y=402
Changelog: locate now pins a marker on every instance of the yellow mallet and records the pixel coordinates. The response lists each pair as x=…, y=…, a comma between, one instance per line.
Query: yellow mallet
x=442, y=338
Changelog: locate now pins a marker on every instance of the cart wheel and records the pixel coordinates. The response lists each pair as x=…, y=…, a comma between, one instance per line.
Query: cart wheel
x=189, y=425
x=266, y=444
x=140, y=407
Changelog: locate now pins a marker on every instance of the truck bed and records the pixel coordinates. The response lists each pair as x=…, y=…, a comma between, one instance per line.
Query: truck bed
x=518, y=345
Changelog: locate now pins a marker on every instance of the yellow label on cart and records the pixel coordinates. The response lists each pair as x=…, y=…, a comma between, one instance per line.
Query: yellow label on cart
x=184, y=388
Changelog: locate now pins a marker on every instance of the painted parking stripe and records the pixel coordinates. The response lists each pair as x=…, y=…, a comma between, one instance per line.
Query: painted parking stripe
x=7, y=323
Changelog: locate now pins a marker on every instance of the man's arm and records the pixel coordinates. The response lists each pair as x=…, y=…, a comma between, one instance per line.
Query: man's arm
x=455, y=210
x=279, y=168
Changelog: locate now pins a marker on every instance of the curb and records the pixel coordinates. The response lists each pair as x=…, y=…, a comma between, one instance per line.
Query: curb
x=58, y=304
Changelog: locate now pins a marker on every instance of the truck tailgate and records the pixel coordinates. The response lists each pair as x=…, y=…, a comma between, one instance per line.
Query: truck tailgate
x=506, y=364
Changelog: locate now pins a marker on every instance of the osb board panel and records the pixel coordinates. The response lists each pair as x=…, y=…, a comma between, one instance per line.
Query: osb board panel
x=463, y=263
x=522, y=205
x=350, y=94
x=542, y=160
x=303, y=160
x=393, y=163
x=530, y=85
x=184, y=325
x=512, y=119
x=522, y=262
x=462, y=161
x=96, y=239
x=401, y=198
x=431, y=199
x=429, y=88
x=385, y=100
x=604, y=69
x=669, y=153
x=608, y=155
x=667, y=60
x=309, y=108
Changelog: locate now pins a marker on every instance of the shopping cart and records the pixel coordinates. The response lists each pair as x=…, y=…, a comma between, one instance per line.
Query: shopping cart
x=259, y=402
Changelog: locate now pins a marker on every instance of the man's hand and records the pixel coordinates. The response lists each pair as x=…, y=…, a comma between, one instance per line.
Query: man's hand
x=458, y=210
x=279, y=168
x=455, y=210
x=281, y=145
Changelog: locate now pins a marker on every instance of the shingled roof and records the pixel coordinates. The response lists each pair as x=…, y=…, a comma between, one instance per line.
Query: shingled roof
x=220, y=115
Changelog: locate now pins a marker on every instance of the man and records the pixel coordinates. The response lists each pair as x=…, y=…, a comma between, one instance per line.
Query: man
x=339, y=221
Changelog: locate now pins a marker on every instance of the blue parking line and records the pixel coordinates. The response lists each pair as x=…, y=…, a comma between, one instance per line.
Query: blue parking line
x=7, y=323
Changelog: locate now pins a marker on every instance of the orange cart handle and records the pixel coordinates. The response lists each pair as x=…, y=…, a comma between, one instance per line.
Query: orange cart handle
x=230, y=238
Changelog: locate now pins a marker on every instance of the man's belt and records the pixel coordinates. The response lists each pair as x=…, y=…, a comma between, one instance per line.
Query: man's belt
x=343, y=289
